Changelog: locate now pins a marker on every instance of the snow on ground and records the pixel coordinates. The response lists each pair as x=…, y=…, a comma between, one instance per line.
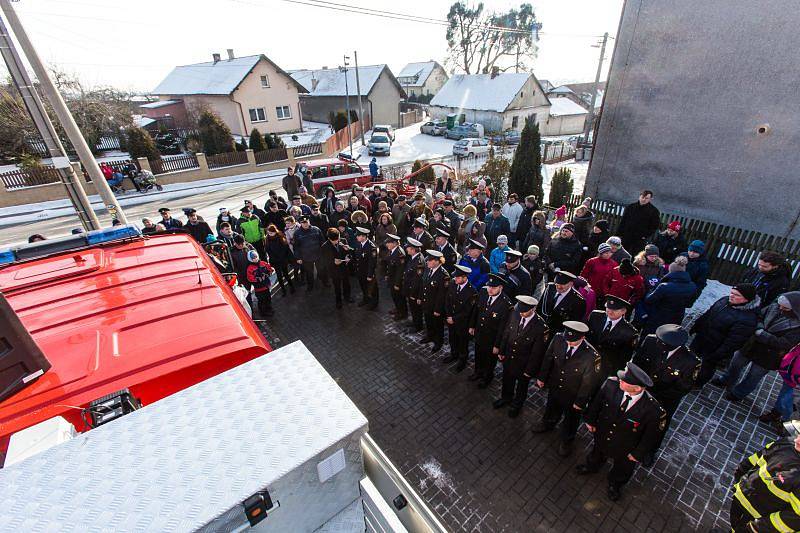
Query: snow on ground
x=713, y=292
x=578, y=168
x=409, y=144
x=313, y=132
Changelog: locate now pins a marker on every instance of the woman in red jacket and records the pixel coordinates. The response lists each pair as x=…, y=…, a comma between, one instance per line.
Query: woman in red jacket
x=625, y=282
x=597, y=268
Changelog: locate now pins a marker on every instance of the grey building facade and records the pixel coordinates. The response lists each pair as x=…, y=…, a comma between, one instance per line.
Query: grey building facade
x=701, y=107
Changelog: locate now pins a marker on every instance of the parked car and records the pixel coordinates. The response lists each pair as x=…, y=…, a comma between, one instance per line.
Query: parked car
x=470, y=147
x=384, y=128
x=379, y=144
x=507, y=137
x=465, y=130
x=337, y=173
x=434, y=127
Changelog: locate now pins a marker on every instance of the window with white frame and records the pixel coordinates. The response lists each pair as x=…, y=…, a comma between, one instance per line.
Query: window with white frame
x=258, y=114
x=265, y=81
x=283, y=112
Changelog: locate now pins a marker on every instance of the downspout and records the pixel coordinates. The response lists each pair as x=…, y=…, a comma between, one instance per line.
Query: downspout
x=371, y=115
x=241, y=114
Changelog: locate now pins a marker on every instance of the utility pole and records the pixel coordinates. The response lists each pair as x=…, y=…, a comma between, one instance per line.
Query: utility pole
x=347, y=104
x=590, y=117
x=360, y=109
x=72, y=183
x=63, y=114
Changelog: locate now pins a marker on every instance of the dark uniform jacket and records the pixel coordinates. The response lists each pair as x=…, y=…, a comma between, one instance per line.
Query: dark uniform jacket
x=412, y=276
x=458, y=305
x=489, y=321
x=366, y=258
x=571, y=307
x=426, y=240
x=434, y=288
x=615, y=346
x=673, y=378
x=395, y=267
x=635, y=431
x=522, y=283
x=724, y=328
x=571, y=380
x=768, y=482
x=330, y=251
x=450, y=257
x=523, y=349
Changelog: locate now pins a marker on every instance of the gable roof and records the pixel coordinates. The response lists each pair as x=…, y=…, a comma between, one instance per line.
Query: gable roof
x=565, y=106
x=419, y=70
x=481, y=91
x=220, y=77
x=330, y=81
x=561, y=89
x=588, y=87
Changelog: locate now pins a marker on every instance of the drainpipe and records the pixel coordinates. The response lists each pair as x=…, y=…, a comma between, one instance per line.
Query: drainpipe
x=241, y=113
x=371, y=115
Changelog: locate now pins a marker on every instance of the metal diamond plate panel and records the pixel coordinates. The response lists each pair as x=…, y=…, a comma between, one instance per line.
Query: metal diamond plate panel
x=182, y=463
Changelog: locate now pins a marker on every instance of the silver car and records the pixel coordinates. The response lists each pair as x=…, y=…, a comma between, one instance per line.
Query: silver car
x=379, y=144
x=434, y=127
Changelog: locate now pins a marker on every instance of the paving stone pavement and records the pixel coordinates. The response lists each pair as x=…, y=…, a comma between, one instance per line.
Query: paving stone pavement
x=482, y=471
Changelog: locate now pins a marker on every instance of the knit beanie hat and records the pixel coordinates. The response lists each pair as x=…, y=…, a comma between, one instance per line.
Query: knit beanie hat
x=697, y=246
x=602, y=224
x=679, y=265
x=616, y=241
x=533, y=250
x=675, y=226
x=626, y=268
x=651, y=249
x=748, y=290
x=603, y=248
x=561, y=211
x=569, y=226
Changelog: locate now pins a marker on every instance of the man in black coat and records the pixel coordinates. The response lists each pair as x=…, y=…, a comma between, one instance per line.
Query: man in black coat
x=432, y=294
x=570, y=371
x=640, y=221
x=198, y=229
x=307, y=242
x=366, y=259
x=453, y=220
x=395, y=266
x=458, y=304
x=771, y=278
x=561, y=302
x=612, y=335
x=524, y=224
x=670, y=242
x=486, y=325
x=519, y=276
x=167, y=221
x=291, y=183
x=625, y=421
x=564, y=252
x=275, y=216
x=412, y=282
x=522, y=348
x=335, y=258
x=442, y=241
x=672, y=367
x=420, y=233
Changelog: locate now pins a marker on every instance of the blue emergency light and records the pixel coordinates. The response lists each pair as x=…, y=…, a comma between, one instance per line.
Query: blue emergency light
x=114, y=233
x=6, y=257
x=64, y=244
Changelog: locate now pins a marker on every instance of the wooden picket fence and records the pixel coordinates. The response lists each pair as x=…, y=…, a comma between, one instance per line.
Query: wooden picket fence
x=731, y=251
x=271, y=155
x=227, y=159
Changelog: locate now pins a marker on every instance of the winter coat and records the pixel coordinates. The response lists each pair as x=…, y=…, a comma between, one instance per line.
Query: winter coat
x=308, y=183
x=698, y=271
x=668, y=301
x=240, y=263
x=724, y=328
x=512, y=213
x=373, y=169
x=198, y=231
x=291, y=184
x=595, y=272
x=258, y=274
x=590, y=297
x=232, y=220
x=535, y=267
x=480, y=270
x=336, y=216
x=769, y=286
x=790, y=367
x=670, y=247
x=538, y=235
x=524, y=224
x=464, y=230
x=496, y=227
x=776, y=333
x=483, y=208
x=564, y=254
x=328, y=205
x=478, y=236
x=400, y=216
x=276, y=218
x=638, y=224
x=651, y=272
x=307, y=243
x=629, y=288
x=279, y=252
x=443, y=186
x=620, y=254
x=497, y=258
x=251, y=229
x=583, y=228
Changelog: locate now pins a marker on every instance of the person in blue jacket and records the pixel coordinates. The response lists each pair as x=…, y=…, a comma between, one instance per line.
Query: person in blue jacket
x=475, y=260
x=698, y=266
x=373, y=169
x=667, y=302
x=498, y=255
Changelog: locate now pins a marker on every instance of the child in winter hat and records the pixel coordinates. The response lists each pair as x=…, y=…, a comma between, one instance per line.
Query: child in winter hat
x=697, y=246
x=679, y=265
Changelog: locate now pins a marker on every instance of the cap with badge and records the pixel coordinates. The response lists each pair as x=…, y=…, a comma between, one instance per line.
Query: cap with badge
x=475, y=245
x=462, y=270
x=420, y=222
x=526, y=303
x=495, y=280
x=434, y=254
x=616, y=303
x=411, y=241
x=360, y=230
x=672, y=335
x=392, y=237
x=563, y=277
x=190, y=211
x=163, y=210
x=574, y=330
x=633, y=375
x=304, y=218
x=512, y=254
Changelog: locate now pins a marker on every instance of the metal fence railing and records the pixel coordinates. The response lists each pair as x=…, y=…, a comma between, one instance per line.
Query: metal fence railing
x=17, y=179
x=305, y=150
x=228, y=159
x=174, y=164
x=271, y=155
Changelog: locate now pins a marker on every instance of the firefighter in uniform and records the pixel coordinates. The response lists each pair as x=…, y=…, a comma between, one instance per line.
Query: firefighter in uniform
x=522, y=348
x=766, y=490
x=366, y=258
x=395, y=266
x=570, y=371
x=561, y=302
x=458, y=304
x=513, y=270
x=432, y=293
x=420, y=233
x=486, y=325
x=672, y=367
x=625, y=421
x=412, y=282
x=612, y=335
x=443, y=245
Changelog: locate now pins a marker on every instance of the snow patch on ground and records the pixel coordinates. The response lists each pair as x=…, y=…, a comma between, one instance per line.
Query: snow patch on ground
x=578, y=168
x=433, y=469
x=313, y=132
x=713, y=292
x=409, y=144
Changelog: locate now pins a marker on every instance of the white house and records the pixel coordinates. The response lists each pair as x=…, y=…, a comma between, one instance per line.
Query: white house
x=497, y=101
x=422, y=79
x=566, y=118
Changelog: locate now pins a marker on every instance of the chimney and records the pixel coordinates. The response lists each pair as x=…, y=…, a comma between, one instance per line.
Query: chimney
x=314, y=83
x=230, y=54
x=495, y=72
x=216, y=58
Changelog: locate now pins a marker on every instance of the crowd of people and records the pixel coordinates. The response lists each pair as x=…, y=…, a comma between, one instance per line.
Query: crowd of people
x=592, y=317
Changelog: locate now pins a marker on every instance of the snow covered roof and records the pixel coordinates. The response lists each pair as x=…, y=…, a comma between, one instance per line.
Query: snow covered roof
x=565, y=106
x=212, y=77
x=480, y=91
x=142, y=121
x=562, y=89
x=420, y=71
x=159, y=103
x=330, y=81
